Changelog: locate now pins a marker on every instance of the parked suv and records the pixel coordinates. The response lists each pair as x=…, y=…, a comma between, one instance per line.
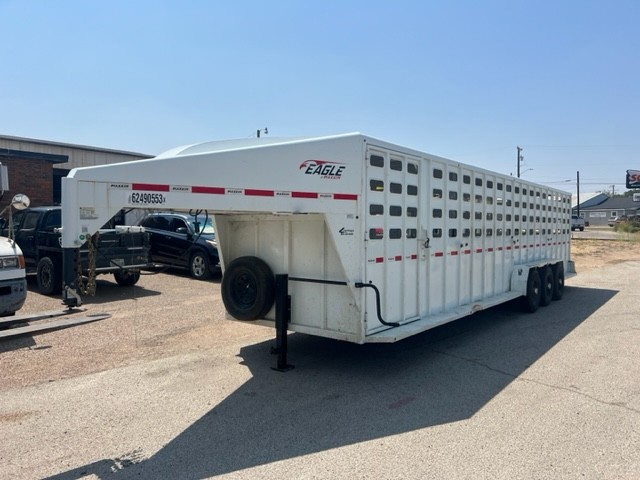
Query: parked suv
x=183, y=240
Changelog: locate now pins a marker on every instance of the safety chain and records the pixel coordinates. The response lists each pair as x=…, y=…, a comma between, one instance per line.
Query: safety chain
x=90, y=287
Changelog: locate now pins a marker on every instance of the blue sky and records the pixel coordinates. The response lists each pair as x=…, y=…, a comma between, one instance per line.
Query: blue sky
x=467, y=80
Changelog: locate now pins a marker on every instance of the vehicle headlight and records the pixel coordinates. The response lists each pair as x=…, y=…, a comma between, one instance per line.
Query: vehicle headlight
x=11, y=262
x=212, y=243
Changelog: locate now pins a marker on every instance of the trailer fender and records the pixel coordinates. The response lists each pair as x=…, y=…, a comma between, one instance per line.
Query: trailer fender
x=248, y=288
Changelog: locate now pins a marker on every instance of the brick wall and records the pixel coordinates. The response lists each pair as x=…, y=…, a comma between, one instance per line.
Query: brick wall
x=31, y=177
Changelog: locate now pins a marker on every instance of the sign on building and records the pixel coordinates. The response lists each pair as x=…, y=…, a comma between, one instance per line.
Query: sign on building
x=633, y=178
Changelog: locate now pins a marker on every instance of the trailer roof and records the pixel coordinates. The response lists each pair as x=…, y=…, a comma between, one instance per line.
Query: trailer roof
x=243, y=143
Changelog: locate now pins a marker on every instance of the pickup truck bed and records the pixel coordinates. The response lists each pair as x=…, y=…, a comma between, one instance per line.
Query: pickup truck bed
x=122, y=251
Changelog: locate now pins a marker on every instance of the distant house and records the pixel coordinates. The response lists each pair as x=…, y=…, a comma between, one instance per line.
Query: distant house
x=599, y=215
x=588, y=200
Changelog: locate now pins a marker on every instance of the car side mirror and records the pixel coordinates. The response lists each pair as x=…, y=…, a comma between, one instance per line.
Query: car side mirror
x=182, y=230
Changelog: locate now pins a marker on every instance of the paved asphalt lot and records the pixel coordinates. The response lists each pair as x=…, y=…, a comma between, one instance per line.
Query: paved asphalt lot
x=167, y=388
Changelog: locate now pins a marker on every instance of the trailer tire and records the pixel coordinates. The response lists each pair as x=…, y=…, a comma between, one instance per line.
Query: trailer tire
x=531, y=300
x=126, y=278
x=248, y=288
x=546, y=282
x=558, y=281
x=48, y=277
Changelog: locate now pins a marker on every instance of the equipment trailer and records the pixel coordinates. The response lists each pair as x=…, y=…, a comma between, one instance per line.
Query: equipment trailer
x=370, y=241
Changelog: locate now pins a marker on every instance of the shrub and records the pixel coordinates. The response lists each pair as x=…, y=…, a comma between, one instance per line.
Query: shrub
x=627, y=227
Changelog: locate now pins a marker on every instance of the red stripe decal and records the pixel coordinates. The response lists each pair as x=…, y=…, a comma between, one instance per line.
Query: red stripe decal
x=398, y=258
x=150, y=187
x=478, y=250
x=379, y=259
x=499, y=249
x=516, y=247
x=508, y=248
x=439, y=254
x=258, y=193
x=345, y=196
x=467, y=252
x=414, y=256
x=489, y=249
x=213, y=190
x=304, y=195
x=454, y=253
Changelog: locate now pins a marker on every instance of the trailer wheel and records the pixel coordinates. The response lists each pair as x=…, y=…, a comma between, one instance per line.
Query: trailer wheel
x=126, y=278
x=558, y=281
x=531, y=301
x=248, y=288
x=546, y=281
x=48, y=277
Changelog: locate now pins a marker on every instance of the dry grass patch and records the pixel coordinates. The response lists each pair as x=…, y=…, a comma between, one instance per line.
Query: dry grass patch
x=589, y=253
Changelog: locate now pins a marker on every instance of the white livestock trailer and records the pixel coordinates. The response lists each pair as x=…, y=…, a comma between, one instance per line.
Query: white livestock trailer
x=378, y=241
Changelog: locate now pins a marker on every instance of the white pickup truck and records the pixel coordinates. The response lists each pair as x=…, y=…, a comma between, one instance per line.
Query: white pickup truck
x=577, y=223
x=13, y=273
x=13, y=281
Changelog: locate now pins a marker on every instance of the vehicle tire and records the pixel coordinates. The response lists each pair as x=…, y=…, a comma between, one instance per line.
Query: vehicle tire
x=199, y=265
x=49, y=277
x=546, y=284
x=126, y=278
x=531, y=300
x=558, y=281
x=248, y=288
x=582, y=229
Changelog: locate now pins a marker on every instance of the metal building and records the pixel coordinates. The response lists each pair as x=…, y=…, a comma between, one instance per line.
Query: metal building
x=36, y=166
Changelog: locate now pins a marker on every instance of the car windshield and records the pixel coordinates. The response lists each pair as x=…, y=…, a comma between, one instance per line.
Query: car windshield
x=205, y=228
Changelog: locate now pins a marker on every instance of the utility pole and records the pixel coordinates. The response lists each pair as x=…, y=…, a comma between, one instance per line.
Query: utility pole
x=578, y=191
x=519, y=160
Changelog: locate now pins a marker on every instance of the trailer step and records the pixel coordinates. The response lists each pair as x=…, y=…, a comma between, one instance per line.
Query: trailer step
x=52, y=325
x=32, y=317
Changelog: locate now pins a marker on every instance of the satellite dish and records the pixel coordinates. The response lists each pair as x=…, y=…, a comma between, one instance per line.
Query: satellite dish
x=20, y=201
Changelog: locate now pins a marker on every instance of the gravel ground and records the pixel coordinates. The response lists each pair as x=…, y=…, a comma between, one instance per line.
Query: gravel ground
x=164, y=314
x=168, y=388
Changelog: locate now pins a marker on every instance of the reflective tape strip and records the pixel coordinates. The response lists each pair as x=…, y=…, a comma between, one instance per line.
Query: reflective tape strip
x=249, y=192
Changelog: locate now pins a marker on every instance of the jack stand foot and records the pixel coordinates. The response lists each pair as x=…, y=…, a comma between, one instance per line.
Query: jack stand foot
x=282, y=365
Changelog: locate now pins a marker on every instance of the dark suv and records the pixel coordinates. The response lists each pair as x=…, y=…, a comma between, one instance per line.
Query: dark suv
x=183, y=240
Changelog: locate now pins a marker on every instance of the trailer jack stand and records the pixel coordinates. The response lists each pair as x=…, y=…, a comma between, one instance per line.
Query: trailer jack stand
x=283, y=315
